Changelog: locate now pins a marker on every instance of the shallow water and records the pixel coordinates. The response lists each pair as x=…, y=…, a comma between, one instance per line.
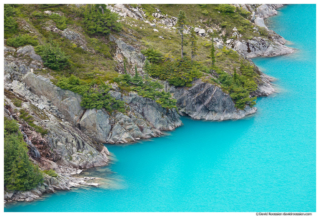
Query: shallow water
x=266, y=162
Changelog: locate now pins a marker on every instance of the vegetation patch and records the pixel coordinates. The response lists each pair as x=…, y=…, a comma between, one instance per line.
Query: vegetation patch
x=19, y=172
x=98, y=21
x=61, y=21
x=147, y=88
x=94, y=93
x=51, y=173
x=22, y=40
x=29, y=119
x=53, y=57
x=239, y=86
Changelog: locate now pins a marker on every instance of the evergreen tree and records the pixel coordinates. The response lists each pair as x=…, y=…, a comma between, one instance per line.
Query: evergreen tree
x=19, y=172
x=234, y=75
x=136, y=71
x=137, y=80
x=124, y=67
x=147, y=67
x=194, y=47
x=100, y=21
x=10, y=24
x=212, y=51
x=182, y=19
x=213, y=60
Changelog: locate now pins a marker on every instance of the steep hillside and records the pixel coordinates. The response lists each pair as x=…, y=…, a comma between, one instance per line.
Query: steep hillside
x=78, y=76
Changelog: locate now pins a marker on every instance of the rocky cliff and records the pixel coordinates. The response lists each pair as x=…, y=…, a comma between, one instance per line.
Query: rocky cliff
x=207, y=101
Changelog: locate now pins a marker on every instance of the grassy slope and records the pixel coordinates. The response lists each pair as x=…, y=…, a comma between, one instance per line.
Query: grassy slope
x=84, y=62
x=87, y=64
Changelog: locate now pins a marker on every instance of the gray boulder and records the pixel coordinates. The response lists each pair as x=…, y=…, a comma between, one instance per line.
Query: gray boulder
x=261, y=47
x=260, y=22
x=96, y=123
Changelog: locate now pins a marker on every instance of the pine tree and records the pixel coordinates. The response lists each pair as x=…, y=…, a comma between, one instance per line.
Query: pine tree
x=194, y=47
x=136, y=71
x=213, y=60
x=181, y=24
x=146, y=67
x=235, y=75
x=19, y=172
x=124, y=66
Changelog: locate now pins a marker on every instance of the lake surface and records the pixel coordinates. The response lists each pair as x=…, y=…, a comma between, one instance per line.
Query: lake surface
x=266, y=162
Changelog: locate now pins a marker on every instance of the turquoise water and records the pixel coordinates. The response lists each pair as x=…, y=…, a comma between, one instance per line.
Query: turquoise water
x=266, y=162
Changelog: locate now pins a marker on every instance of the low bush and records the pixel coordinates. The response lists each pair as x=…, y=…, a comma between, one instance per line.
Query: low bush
x=17, y=102
x=100, y=22
x=154, y=56
x=176, y=72
x=22, y=40
x=61, y=21
x=53, y=57
x=226, y=8
x=51, y=173
x=37, y=14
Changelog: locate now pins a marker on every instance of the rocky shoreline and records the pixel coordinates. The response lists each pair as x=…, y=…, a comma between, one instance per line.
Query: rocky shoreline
x=75, y=135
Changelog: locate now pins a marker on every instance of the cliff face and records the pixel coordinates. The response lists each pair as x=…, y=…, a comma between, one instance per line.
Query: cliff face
x=64, y=148
x=145, y=118
x=208, y=102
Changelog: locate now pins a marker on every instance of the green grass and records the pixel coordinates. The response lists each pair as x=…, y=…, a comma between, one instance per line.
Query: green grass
x=51, y=173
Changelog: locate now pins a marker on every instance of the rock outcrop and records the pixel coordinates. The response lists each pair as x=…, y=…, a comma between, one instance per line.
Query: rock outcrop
x=145, y=118
x=74, y=148
x=127, y=51
x=64, y=149
x=207, y=101
x=260, y=47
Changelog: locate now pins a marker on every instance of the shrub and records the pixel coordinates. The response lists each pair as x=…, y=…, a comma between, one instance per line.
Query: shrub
x=17, y=102
x=205, y=12
x=243, y=12
x=203, y=5
x=10, y=24
x=61, y=21
x=153, y=56
x=224, y=24
x=37, y=14
x=22, y=40
x=53, y=57
x=19, y=172
x=96, y=22
x=51, y=173
x=177, y=73
x=226, y=8
x=263, y=31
